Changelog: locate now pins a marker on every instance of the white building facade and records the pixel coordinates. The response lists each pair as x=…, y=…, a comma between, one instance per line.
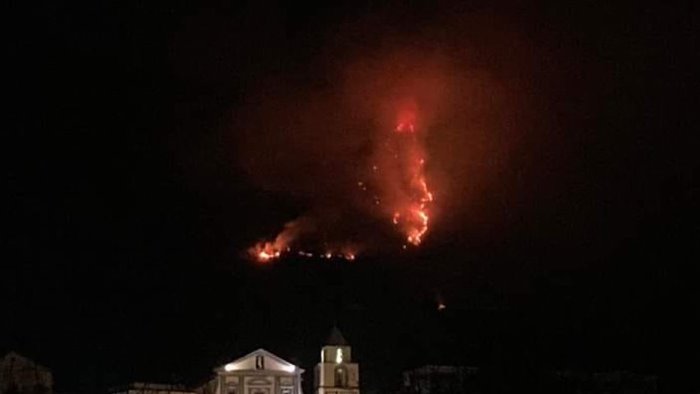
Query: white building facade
x=259, y=372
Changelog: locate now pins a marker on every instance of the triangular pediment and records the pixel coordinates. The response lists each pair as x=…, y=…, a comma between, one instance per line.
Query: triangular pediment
x=259, y=360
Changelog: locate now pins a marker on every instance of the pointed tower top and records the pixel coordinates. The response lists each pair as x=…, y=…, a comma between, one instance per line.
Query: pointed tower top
x=336, y=338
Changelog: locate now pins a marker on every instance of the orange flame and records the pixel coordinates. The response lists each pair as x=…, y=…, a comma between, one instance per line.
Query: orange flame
x=414, y=218
x=265, y=252
x=405, y=128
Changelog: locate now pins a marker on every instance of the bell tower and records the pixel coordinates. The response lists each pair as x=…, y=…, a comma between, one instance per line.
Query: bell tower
x=336, y=373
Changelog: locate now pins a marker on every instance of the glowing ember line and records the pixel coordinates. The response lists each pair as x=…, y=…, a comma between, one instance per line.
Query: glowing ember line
x=265, y=252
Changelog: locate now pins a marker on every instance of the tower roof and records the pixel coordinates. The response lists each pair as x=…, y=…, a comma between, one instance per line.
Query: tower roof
x=336, y=338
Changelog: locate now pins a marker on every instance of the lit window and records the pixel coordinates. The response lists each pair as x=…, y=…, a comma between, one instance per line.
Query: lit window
x=339, y=356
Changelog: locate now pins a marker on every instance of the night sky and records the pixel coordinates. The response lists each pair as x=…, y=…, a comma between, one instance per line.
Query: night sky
x=145, y=151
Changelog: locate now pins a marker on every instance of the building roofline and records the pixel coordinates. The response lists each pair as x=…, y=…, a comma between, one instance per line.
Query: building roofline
x=260, y=351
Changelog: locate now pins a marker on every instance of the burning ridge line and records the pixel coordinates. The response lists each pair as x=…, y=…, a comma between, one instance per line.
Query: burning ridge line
x=410, y=216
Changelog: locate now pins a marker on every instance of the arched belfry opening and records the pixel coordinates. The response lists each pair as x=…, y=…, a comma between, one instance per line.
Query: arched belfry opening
x=340, y=376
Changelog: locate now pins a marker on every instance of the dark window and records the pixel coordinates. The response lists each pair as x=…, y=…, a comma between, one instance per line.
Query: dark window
x=341, y=377
x=259, y=362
